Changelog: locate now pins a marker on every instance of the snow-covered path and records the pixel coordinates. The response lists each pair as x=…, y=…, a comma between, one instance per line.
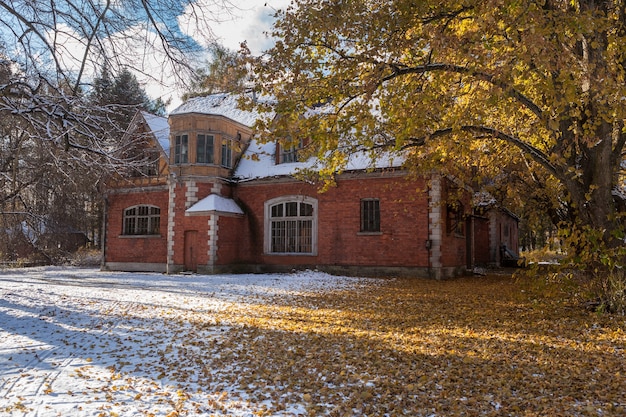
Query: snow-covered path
x=81, y=342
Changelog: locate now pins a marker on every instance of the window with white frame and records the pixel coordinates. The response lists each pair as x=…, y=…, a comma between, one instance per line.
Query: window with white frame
x=142, y=220
x=181, y=149
x=291, y=225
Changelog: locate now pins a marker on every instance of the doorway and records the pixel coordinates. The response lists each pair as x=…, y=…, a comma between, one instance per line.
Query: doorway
x=191, y=251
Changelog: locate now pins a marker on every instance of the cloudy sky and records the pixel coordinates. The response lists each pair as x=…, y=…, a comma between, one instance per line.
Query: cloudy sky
x=248, y=23
x=248, y=20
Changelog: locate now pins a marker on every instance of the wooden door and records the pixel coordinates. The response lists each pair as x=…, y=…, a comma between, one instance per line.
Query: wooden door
x=191, y=251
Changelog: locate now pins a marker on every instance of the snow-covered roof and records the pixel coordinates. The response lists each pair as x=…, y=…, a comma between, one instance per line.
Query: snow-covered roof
x=215, y=204
x=259, y=161
x=160, y=128
x=221, y=104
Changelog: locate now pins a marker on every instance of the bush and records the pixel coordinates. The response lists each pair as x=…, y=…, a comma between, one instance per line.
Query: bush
x=85, y=257
x=611, y=291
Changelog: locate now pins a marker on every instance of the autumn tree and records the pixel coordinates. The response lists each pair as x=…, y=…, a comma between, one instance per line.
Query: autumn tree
x=225, y=71
x=529, y=92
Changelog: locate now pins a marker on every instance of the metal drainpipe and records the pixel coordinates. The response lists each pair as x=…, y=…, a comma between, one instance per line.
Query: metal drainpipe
x=103, y=239
x=428, y=242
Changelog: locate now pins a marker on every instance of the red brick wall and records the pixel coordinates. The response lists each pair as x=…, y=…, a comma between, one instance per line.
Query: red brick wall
x=184, y=223
x=231, y=237
x=135, y=249
x=228, y=237
x=404, y=228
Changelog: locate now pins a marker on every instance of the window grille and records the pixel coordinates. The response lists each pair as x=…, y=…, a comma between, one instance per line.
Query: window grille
x=291, y=227
x=370, y=215
x=142, y=220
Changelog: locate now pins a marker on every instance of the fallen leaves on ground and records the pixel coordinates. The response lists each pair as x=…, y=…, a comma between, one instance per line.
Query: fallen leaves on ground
x=471, y=346
x=383, y=347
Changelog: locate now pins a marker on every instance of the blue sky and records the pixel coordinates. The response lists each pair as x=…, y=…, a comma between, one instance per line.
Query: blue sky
x=248, y=21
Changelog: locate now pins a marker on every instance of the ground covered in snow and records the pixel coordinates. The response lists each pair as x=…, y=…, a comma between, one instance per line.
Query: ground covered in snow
x=81, y=342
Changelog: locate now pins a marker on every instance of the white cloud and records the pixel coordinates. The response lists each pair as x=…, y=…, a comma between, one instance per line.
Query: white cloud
x=230, y=24
x=224, y=21
x=235, y=23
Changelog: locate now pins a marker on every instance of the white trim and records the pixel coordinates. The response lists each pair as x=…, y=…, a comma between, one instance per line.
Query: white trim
x=191, y=194
x=213, y=236
x=435, y=222
x=171, y=222
x=267, y=237
x=214, y=203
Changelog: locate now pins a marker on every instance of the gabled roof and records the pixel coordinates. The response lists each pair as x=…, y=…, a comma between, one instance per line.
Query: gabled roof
x=484, y=202
x=160, y=128
x=259, y=159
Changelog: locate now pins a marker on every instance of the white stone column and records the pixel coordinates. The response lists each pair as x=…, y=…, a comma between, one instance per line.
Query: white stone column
x=212, y=240
x=213, y=234
x=435, y=225
x=191, y=193
x=171, y=222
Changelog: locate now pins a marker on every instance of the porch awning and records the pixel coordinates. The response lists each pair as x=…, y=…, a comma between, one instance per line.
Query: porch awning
x=214, y=203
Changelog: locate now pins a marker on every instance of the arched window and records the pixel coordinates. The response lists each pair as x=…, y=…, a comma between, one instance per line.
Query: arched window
x=142, y=220
x=291, y=225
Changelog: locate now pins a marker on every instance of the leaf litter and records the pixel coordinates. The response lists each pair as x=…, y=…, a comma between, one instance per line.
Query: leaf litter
x=91, y=343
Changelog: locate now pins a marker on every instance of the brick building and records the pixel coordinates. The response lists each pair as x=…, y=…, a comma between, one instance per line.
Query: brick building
x=212, y=199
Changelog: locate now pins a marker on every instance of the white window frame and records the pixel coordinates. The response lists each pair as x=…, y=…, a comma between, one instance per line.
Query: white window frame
x=181, y=148
x=135, y=220
x=267, y=246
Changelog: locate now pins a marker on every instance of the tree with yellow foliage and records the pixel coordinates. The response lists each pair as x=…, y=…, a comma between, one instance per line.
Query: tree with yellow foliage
x=528, y=92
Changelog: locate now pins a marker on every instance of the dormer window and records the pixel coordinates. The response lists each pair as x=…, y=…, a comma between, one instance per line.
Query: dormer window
x=149, y=165
x=289, y=152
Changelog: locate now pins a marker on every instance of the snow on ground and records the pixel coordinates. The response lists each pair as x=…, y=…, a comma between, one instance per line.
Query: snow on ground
x=82, y=342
